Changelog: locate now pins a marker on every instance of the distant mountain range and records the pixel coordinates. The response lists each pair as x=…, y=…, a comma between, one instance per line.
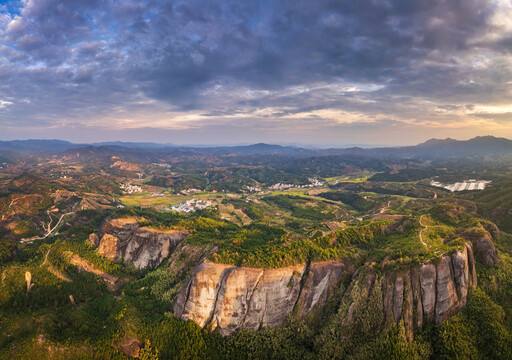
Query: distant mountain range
x=480, y=146
x=37, y=146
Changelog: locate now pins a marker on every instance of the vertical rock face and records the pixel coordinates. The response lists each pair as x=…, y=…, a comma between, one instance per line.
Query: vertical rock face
x=416, y=292
x=461, y=274
x=387, y=297
x=447, y=300
x=198, y=297
x=485, y=250
x=235, y=294
x=398, y=298
x=142, y=247
x=94, y=239
x=274, y=297
x=473, y=281
x=428, y=290
x=228, y=298
x=121, y=228
x=110, y=247
x=231, y=297
x=408, y=308
x=148, y=247
x=319, y=285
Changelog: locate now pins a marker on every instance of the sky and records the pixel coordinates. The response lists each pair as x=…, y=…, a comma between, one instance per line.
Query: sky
x=323, y=73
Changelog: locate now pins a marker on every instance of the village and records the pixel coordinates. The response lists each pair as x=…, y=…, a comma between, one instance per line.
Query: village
x=130, y=189
x=190, y=205
x=313, y=183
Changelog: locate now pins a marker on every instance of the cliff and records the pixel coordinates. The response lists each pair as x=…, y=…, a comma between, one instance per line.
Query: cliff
x=142, y=246
x=228, y=298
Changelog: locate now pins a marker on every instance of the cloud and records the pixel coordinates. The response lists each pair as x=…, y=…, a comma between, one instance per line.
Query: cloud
x=4, y=103
x=199, y=64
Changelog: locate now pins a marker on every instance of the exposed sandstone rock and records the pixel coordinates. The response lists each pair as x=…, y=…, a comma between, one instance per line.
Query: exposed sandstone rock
x=121, y=228
x=231, y=297
x=428, y=290
x=28, y=280
x=408, y=308
x=142, y=247
x=446, y=301
x=471, y=263
x=387, y=297
x=198, y=298
x=461, y=274
x=110, y=247
x=235, y=294
x=148, y=247
x=485, y=250
x=274, y=297
x=350, y=313
x=416, y=292
x=398, y=298
x=319, y=285
x=131, y=347
x=94, y=239
x=228, y=298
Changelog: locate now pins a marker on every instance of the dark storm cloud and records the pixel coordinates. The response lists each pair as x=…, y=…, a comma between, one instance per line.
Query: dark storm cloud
x=103, y=59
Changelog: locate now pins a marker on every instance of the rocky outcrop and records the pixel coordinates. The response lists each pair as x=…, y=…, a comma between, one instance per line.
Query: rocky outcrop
x=485, y=250
x=417, y=299
x=428, y=276
x=398, y=298
x=319, y=285
x=131, y=347
x=141, y=246
x=231, y=297
x=274, y=297
x=110, y=247
x=473, y=281
x=234, y=298
x=198, y=298
x=121, y=228
x=94, y=239
x=446, y=296
x=483, y=244
x=228, y=297
x=443, y=288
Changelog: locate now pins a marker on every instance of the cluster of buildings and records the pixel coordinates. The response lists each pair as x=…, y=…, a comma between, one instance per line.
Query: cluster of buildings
x=190, y=205
x=313, y=183
x=130, y=189
x=253, y=188
x=464, y=185
x=162, y=165
x=189, y=191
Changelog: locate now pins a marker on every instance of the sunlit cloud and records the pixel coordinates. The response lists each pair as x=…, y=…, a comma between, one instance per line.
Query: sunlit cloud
x=350, y=72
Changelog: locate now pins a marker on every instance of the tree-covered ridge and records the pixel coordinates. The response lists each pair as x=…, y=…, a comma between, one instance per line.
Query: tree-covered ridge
x=397, y=240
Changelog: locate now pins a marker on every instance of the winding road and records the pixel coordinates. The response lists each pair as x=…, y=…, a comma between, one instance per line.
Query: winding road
x=425, y=227
x=29, y=240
